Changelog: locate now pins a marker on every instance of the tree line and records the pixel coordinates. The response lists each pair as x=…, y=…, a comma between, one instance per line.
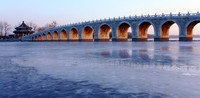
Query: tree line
x=35, y=27
x=6, y=28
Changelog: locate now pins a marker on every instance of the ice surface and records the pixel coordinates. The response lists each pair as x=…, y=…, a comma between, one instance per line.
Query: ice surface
x=170, y=68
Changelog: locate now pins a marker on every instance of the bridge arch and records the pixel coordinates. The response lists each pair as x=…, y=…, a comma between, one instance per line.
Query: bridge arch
x=104, y=31
x=43, y=37
x=36, y=39
x=39, y=38
x=88, y=33
x=122, y=31
x=74, y=36
x=33, y=39
x=55, y=36
x=142, y=30
x=63, y=35
x=49, y=37
x=165, y=27
x=189, y=29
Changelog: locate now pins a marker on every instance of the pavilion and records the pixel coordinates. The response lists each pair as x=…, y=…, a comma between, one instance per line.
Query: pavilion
x=23, y=30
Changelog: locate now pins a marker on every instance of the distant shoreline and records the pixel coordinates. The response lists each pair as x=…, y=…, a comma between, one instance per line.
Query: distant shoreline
x=10, y=40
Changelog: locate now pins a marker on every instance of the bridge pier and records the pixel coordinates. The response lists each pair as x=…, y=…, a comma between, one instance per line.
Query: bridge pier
x=156, y=39
x=114, y=39
x=102, y=40
x=73, y=40
x=139, y=39
x=87, y=40
x=122, y=39
x=185, y=38
x=134, y=39
x=161, y=39
x=96, y=40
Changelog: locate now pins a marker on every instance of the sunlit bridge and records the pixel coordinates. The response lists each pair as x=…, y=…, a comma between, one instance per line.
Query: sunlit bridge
x=165, y=27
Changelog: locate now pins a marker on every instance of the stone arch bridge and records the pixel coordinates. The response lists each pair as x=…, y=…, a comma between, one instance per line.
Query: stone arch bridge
x=99, y=30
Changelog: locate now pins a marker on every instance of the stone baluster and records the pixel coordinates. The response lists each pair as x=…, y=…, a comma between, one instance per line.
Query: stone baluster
x=155, y=15
x=170, y=14
x=188, y=14
x=179, y=14
x=163, y=15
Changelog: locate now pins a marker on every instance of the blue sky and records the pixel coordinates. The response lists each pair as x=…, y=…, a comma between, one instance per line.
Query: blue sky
x=70, y=11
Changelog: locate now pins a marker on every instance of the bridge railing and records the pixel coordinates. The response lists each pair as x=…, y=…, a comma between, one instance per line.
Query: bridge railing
x=133, y=17
x=147, y=16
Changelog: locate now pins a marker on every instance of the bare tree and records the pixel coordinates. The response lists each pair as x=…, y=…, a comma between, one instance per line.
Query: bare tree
x=41, y=29
x=48, y=26
x=53, y=24
x=1, y=29
x=7, y=28
x=33, y=25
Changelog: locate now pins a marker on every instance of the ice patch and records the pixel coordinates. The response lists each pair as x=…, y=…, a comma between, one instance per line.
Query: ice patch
x=189, y=74
x=128, y=74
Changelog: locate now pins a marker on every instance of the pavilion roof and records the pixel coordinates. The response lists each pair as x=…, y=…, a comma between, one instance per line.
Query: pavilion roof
x=23, y=26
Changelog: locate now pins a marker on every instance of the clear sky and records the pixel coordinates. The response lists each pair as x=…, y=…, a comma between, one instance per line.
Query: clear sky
x=41, y=12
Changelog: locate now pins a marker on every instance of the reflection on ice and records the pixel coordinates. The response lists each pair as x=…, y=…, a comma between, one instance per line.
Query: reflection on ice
x=106, y=53
x=145, y=54
x=125, y=53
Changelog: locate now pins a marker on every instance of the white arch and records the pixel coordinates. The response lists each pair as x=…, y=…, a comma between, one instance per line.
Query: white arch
x=154, y=27
x=189, y=22
x=85, y=27
x=83, y=30
x=122, y=23
x=50, y=35
x=45, y=36
x=165, y=21
x=105, y=24
x=73, y=28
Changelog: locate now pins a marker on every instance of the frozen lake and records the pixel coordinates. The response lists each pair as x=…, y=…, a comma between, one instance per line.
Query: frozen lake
x=100, y=69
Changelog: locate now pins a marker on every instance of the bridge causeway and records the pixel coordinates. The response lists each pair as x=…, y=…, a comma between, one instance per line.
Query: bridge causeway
x=99, y=30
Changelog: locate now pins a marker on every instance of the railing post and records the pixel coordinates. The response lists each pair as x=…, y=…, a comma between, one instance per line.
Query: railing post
x=163, y=15
x=155, y=15
x=170, y=14
x=179, y=14
x=188, y=14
